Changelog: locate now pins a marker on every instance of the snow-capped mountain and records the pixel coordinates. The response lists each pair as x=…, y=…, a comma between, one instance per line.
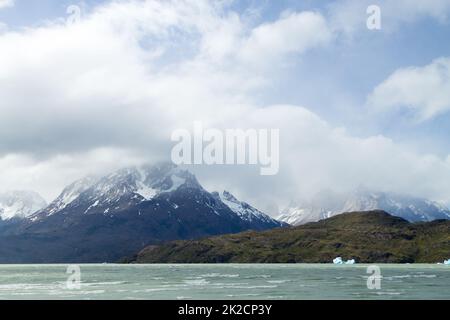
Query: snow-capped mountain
x=119, y=190
x=68, y=195
x=243, y=209
x=19, y=204
x=99, y=219
x=327, y=204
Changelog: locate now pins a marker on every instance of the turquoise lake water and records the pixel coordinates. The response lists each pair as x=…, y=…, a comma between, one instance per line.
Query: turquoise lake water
x=258, y=281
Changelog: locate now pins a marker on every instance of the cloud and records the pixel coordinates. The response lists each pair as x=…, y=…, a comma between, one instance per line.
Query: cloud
x=314, y=155
x=72, y=87
x=257, y=49
x=6, y=3
x=108, y=91
x=49, y=175
x=293, y=33
x=423, y=91
x=130, y=72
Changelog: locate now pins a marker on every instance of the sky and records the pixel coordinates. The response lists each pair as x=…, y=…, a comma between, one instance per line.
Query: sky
x=354, y=106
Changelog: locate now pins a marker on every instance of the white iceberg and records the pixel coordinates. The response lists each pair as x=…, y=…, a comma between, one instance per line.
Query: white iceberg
x=352, y=261
x=447, y=262
x=338, y=260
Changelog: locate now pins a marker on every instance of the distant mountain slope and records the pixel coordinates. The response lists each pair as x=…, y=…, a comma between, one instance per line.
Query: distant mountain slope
x=244, y=210
x=328, y=204
x=19, y=204
x=370, y=237
x=104, y=219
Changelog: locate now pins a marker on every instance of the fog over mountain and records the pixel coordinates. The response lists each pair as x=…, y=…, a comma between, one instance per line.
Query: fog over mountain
x=19, y=204
x=110, y=217
x=327, y=204
x=106, y=91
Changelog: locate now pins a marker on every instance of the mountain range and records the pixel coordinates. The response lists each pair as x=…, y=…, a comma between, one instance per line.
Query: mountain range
x=103, y=219
x=109, y=218
x=327, y=204
x=19, y=204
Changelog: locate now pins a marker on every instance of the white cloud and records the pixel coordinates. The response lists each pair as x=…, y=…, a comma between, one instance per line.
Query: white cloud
x=292, y=33
x=6, y=3
x=50, y=175
x=315, y=156
x=129, y=73
x=127, y=62
x=108, y=91
x=231, y=42
x=424, y=91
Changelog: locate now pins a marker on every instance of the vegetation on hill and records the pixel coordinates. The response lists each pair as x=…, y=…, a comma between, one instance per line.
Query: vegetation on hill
x=367, y=237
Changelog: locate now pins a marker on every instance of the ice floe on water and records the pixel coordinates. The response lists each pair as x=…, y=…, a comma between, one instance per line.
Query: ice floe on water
x=338, y=260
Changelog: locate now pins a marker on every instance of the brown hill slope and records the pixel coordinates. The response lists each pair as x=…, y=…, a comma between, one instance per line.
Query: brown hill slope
x=368, y=237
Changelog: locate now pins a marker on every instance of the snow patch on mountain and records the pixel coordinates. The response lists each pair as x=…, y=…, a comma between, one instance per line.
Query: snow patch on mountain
x=242, y=209
x=327, y=204
x=121, y=189
x=70, y=194
x=20, y=204
x=145, y=191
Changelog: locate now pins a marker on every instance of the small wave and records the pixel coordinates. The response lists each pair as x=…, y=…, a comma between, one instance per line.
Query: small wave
x=29, y=286
x=219, y=275
x=408, y=276
x=198, y=282
x=75, y=292
x=388, y=293
x=158, y=289
x=110, y=283
x=264, y=276
x=278, y=281
x=243, y=295
x=255, y=287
